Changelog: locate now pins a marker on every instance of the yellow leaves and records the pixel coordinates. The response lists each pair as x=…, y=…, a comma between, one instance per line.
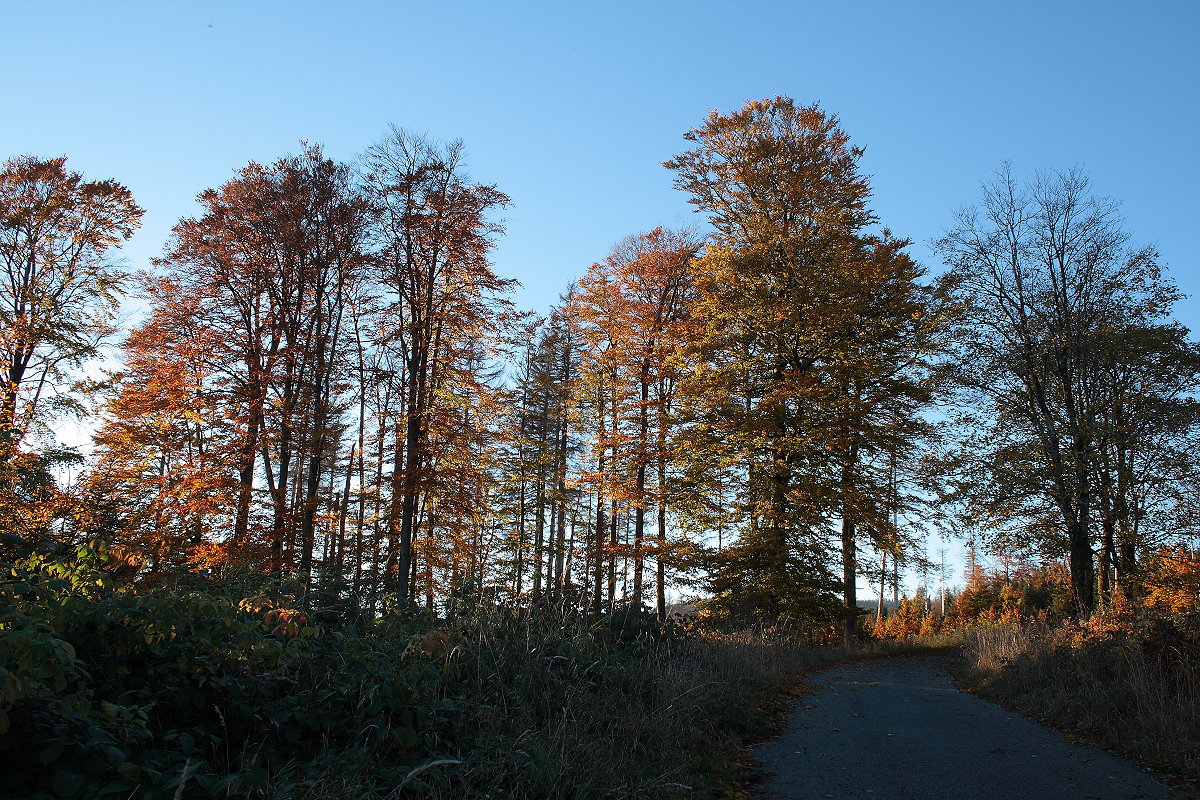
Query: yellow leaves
x=1172, y=580
x=256, y=604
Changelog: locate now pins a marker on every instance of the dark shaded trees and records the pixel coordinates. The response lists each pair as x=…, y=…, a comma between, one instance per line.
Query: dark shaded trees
x=1062, y=350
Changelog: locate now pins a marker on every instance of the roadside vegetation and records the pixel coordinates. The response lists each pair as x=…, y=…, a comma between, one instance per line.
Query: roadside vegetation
x=1126, y=679
x=1125, y=684
x=236, y=689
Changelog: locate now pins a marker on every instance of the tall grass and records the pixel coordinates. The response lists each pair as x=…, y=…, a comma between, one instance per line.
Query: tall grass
x=1134, y=690
x=556, y=705
x=213, y=694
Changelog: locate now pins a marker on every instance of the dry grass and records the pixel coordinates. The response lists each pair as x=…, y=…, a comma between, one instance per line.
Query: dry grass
x=559, y=706
x=1121, y=690
x=575, y=716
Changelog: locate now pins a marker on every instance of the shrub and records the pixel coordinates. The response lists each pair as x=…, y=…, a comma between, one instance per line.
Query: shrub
x=111, y=693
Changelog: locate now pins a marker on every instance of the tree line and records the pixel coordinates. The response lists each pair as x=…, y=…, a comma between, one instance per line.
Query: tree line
x=332, y=384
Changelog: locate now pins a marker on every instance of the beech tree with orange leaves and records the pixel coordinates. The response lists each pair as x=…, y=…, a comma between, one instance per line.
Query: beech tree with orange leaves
x=636, y=303
x=59, y=294
x=58, y=290
x=433, y=231
x=264, y=272
x=162, y=464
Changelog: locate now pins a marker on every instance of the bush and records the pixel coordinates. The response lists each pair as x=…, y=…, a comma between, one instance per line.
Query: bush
x=110, y=693
x=202, y=691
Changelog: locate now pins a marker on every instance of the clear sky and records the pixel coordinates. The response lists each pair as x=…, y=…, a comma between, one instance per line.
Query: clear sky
x=571, y=107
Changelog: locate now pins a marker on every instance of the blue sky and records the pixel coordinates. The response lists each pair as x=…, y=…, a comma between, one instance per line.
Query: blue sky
x=570, y=107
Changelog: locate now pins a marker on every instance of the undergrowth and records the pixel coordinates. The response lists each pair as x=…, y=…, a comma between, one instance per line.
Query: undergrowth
x=1132, y=686
x=217, y=690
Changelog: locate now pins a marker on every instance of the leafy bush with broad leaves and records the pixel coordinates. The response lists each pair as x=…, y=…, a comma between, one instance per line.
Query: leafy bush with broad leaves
x=109, y=693
x=231, y=687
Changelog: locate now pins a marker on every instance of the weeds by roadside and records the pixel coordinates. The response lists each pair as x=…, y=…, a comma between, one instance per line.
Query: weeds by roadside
x=204, y=692
x=1132, y=688
x=556, y=704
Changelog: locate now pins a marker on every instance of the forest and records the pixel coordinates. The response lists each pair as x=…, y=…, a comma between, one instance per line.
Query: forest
x=351, y=523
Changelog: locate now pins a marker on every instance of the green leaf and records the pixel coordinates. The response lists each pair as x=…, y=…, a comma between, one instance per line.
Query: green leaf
x=51, y=753
x=116, y=787
x=66, y=783
x=254, y=777
x=116, y=756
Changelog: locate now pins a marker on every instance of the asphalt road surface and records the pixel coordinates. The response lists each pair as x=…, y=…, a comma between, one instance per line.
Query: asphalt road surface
x=896, y=729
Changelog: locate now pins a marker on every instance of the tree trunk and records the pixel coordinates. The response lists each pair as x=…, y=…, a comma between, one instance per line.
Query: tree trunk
x=883, y=575
x=849, y=578
x=849, y=549
x=1083, y=574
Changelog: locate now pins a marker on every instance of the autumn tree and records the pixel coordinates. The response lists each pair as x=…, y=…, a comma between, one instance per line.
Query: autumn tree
x=563, y=345
x=1068, y=365
x=325, y=256
x=542, y=443
x=58, y=291
x=520, y=452
x=808, y=324
x=433, y=231
x=224, y=259
x=1142, y=386
x=599, y=403
x=1172, y=579
x=883, y=381
x=161, y=464
x=636, y=303
x=266, y=268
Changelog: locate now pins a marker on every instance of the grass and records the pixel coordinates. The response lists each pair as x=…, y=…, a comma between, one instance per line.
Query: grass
x=1130, y=689
x=560, y=706
x=210, y=693
x=206, y=693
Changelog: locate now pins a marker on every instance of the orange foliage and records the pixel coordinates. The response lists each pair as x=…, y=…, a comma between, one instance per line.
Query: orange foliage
x=1172, y=580
x=910, y=618
x=279, y=620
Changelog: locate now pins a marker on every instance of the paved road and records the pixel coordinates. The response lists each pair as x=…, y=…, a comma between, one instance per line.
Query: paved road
x=895, y=729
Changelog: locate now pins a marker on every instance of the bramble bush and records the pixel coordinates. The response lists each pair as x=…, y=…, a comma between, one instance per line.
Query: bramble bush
x=109, y=693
